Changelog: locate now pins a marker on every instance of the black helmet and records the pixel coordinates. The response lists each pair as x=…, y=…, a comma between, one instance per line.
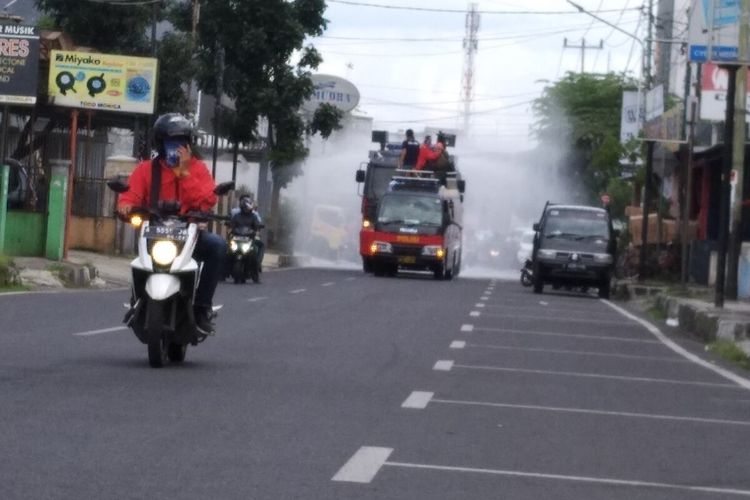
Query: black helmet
x=172, y=125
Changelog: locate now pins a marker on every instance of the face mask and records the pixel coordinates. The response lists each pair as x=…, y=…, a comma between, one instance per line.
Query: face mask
x=170, y=150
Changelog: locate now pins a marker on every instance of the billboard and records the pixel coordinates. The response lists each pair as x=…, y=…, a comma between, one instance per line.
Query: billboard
x=332, y=90
x=102, y=81
x=631, y=119
x=19, y=64
x=714, y=82
x=713, y=31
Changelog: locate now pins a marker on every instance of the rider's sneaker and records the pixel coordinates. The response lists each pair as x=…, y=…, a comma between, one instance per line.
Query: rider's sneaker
x=203, y=321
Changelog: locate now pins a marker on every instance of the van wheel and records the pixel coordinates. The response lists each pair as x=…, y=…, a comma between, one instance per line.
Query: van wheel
x=604, y=290
x=538, y=281
x=378, y=270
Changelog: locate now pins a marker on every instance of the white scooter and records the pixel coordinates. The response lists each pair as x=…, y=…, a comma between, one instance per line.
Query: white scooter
x=165, y=278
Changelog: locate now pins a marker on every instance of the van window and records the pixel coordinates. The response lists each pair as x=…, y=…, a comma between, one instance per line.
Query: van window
x=576, y=223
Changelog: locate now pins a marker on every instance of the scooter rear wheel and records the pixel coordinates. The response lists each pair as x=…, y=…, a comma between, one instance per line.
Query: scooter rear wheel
x=157, y=350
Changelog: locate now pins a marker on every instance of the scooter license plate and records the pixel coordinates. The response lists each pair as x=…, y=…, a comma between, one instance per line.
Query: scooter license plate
x=166, y=233
x=407, y=260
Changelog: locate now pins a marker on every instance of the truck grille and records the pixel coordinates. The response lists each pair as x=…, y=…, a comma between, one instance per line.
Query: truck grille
x=412, y=250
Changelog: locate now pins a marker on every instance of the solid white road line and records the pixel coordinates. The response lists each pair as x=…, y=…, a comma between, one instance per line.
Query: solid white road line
x=417, y=400
x=742, y=382
x=299, y=290
x=103, y=330
x=534, y=307
x=595, y=375
x=561, y=334
x=474, y=314
x=559, y=319
x=578, y=479
x=364, y=465
x=467, y=327
x=458, y=344
x=327, y=284
x=594, y=412
x=257, y=299
x=580, y=353
x=443, y=365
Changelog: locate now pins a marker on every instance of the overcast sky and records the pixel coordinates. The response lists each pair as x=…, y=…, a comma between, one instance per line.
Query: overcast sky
x=408, y=62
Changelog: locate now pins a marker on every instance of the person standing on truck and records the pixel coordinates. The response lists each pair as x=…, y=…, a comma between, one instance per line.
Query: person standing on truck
x=428, y=154
x=409, y=151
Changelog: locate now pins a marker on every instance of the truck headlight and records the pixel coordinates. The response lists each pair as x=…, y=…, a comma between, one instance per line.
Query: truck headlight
x=602, y=258
x=381, y=247
x=433, y=251
x=164, y=252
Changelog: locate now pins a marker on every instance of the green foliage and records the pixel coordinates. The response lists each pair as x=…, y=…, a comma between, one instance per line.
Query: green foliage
x=8, y=272
x=731, y=352
x=259, y=39
x=326, y=119
x=113, y=29
x=175, y=69
x=582, y=112
x=620, y=193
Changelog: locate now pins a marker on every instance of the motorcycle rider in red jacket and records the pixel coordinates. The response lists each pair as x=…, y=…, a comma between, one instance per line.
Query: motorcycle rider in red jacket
x=184, y=178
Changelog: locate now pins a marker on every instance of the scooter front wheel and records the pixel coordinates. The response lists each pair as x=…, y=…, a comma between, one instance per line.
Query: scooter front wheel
x=176, y=352
x=157, y=350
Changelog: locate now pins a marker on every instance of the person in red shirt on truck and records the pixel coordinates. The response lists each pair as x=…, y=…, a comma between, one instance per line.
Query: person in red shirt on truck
x=427, y=154
x=184, y=178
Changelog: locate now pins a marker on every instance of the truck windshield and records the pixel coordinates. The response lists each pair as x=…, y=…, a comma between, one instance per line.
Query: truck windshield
x=377, y=184
x=411, y=209
x=576, y=224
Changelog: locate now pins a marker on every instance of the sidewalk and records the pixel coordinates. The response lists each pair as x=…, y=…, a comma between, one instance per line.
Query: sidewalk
x=694, y=311
x=90, y=269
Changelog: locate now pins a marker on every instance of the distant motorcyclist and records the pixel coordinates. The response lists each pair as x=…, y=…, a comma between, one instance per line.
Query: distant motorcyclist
x=246, y=215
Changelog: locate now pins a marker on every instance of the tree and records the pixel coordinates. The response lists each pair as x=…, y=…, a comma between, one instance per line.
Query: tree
x=259, y=40
x=107, y=28
x=581, y=113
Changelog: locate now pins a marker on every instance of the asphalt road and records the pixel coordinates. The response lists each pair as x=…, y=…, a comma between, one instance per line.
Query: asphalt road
x=330, y=384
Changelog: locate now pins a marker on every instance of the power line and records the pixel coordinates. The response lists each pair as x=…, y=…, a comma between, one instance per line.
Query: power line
x=125, y=3
x=459, y=11
x=453, y=117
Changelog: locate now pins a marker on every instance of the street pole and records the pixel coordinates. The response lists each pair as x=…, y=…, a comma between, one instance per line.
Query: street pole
x=646, y=205
x=726, y=170
x=217, y=109
x=687, y=196
x=738, y=163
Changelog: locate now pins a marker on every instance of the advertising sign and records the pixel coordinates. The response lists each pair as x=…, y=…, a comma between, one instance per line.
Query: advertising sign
x=713, y=31
x=629, y=122
x=332, y=90
x=102, y=81
x=714, y=82
x=19, y=64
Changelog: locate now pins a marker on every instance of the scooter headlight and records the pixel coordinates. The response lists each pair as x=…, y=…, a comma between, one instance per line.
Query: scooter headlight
x=245, y=247
x=136, y=221
x=233, y=245
x=164, y=252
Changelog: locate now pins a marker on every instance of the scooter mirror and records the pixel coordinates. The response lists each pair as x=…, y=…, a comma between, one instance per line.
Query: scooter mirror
x=224, y=188
x=117, y=185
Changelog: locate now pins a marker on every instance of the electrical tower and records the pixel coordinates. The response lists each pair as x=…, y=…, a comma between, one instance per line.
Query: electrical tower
x=470, y=49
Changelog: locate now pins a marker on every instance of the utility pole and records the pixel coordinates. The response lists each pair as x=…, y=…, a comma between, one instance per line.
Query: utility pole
x=471, y=45
x=649, y=150
x=738, y=161
x=583, y=48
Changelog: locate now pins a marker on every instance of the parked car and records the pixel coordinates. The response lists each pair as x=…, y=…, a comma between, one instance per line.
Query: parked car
x=574, y=246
